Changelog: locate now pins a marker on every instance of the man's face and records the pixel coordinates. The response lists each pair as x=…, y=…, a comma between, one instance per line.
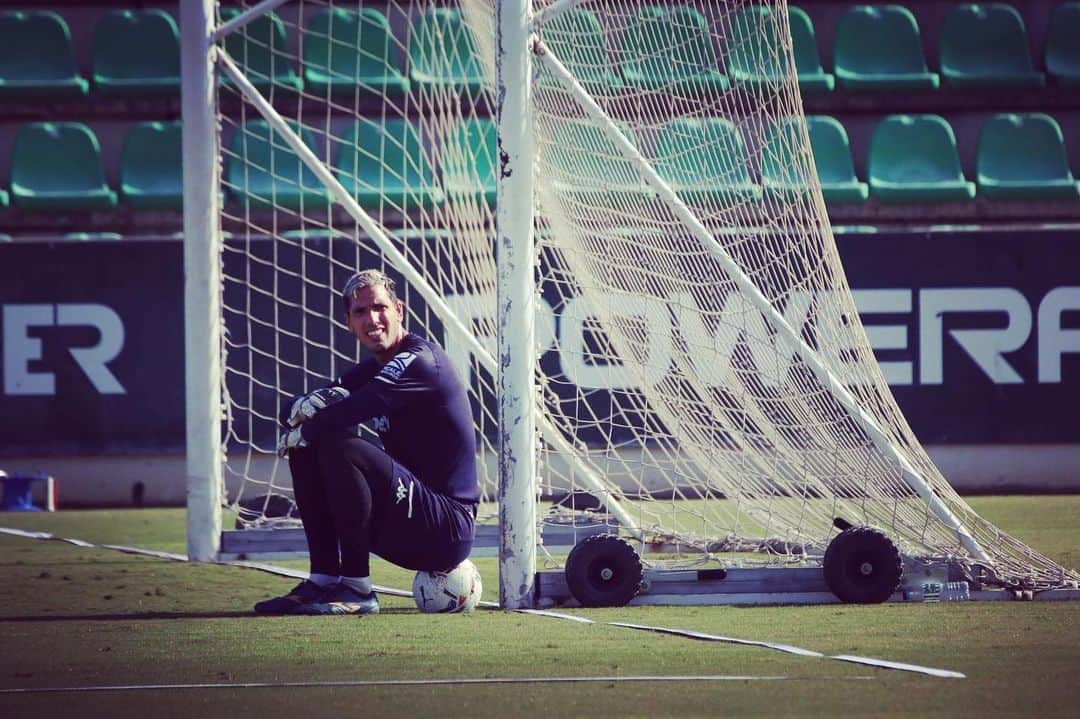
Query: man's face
x=376, y=320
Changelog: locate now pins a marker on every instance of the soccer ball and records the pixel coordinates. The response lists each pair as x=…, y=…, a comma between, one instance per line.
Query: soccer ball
x=453, y=591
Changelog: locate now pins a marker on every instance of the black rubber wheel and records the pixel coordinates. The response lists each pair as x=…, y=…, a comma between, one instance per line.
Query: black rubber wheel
x=863, y=566
x=604, y=571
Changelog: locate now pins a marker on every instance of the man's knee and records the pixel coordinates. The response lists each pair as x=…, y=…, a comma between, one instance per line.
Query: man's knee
x=330, y=445
x=369, y=460
x=339, y=450
x=346, y=457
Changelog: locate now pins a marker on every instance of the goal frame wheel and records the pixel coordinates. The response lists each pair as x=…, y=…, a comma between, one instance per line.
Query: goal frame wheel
x=604, y=571
x=862, y=566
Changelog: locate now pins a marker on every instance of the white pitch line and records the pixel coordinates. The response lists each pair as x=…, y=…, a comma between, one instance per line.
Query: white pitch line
x=868, y=661
x=885, y=664
x=718, y=638
x=411, y=682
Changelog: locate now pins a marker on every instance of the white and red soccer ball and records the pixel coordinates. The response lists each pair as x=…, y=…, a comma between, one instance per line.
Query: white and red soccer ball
x=450, y=592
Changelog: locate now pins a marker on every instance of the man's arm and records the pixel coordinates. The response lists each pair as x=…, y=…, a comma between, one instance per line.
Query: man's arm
x=308, y=405
x=294, y=411
x=357, y=408
x=402, y=381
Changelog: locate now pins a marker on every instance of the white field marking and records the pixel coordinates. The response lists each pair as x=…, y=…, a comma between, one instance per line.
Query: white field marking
x=717, y=638
x=944, y=673
x=418, y=682
x=283, y=571
x=556, y=615
x=869, y=661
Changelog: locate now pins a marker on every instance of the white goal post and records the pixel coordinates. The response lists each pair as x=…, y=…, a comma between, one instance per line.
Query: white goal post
x=608, y=212
x=202, y=284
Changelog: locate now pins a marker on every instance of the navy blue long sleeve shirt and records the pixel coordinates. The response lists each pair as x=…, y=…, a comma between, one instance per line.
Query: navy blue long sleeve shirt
x=420, y=410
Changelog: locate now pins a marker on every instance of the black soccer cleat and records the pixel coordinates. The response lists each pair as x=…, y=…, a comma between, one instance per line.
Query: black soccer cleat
x=341, y=599
x=302, y=594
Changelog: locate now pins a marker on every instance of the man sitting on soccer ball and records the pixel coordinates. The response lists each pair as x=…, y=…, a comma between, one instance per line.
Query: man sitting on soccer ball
x=413, y=501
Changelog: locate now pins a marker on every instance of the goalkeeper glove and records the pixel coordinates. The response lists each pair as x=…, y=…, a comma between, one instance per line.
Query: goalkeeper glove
x=305, y=407
x=290, y=439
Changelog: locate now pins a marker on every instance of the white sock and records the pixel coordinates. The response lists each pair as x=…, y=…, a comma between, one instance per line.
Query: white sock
x=323, y=580
x=358, y=584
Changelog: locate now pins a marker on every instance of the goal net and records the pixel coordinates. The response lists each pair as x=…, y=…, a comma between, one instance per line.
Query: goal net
x=704, y=381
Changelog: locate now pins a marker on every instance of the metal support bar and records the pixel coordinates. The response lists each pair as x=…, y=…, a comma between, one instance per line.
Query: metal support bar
x=552, y=11
x=252, y=13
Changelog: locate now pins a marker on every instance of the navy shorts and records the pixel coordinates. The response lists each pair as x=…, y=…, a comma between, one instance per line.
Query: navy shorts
x=413, y=526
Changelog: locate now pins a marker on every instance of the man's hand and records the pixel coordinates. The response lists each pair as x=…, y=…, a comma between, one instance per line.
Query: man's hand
x=290, y=439
x=305, y=407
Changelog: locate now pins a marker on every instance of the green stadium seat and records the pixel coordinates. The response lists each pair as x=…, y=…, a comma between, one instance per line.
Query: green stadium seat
x=384, y=165
x=261, y=50
x=576, y=37
x=136, y=52
x=350, y=51
x=671, y=49
x=1022, y=157
x=587, y=164
x=57, y=167
x=812, y=77
x=913, y=159
x=263, y=169
x=469, y=162
x=1062, y=48
x=151, y=167
x=785, y=173
x=754, y=61
x=832, y=157
x=878, y=48
x=442, y=52
x=705, y=161
x=4, y=198
x=38, y=59
x=986, y=46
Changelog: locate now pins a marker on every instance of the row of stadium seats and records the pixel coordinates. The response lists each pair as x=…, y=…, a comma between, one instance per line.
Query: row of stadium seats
x=876, y=48
x=912, y=159
x=979, y=46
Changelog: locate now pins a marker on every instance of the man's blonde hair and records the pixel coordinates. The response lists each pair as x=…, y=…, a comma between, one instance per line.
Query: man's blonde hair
x=367, y=278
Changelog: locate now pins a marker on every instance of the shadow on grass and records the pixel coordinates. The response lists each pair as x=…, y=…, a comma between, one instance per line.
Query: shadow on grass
x=128, y=616
x=80, y=562
x=247, y=614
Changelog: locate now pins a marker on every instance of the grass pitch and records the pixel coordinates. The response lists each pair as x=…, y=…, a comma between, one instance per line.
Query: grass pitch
x=76, y=617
